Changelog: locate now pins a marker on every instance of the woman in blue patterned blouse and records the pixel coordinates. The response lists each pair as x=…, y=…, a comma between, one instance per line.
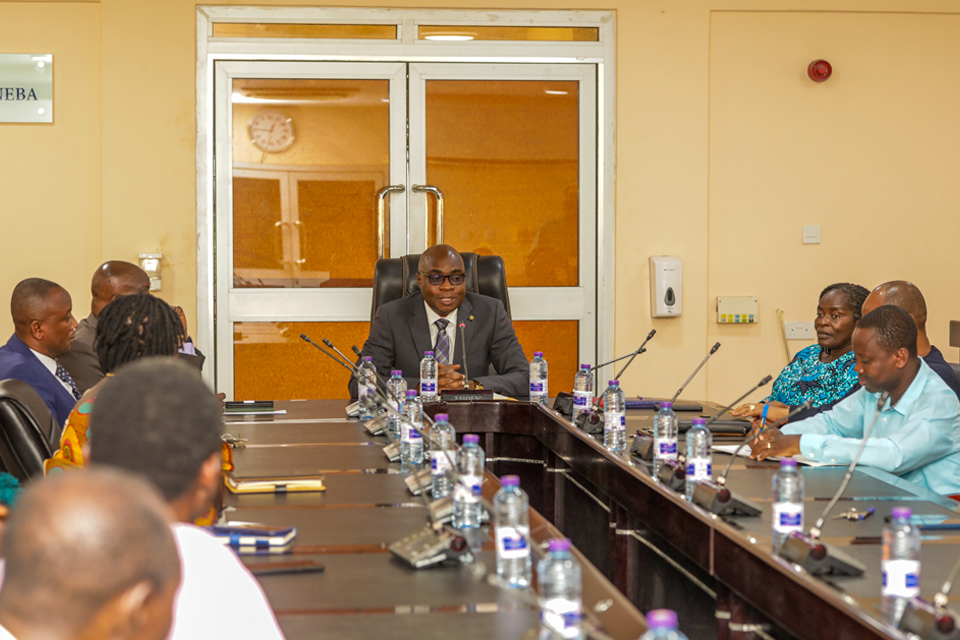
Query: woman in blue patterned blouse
x=822, y=372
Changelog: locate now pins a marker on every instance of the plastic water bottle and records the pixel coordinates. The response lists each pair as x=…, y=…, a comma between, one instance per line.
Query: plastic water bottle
x=467, y=508
x=442, y=455
x=396, y=396
x=664, y=436
x=614, y=418
x=367, y=387
x=699, y=456
x=511, y=519
x=900, y=563
x=662, y=625
x=428, y=378
x=787, y=501
x=538, y=379
x=411, y=442
x=582, y=391
x=558, y=575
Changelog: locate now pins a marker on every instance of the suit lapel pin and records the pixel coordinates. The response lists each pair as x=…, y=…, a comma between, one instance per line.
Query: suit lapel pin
x=471, y=318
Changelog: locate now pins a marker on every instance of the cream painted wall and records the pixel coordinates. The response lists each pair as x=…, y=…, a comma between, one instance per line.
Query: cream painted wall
x=50, y=173
x=687, y=70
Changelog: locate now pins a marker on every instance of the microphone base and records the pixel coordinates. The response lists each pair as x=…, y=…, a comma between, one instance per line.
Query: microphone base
x=430, y=548
x=590, y=422
x=563, y=404
x=392, y=451
x=819, y=558
x=673, y=475
x=927, y=622
x=642, y=447
x=722, y=501
x=425, y=480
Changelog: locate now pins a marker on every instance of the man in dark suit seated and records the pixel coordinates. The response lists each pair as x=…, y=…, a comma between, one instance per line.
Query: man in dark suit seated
x=111, y=280
x=43, y=330
x=429, y=320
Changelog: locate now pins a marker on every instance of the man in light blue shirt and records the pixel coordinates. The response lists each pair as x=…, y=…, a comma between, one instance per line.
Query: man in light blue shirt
x=916, y=436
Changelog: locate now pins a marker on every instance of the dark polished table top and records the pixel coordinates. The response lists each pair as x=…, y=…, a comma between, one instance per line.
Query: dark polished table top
x=364, y=591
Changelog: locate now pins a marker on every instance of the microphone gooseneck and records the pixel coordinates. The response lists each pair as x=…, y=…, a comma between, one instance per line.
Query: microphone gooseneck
x=723, y=476
x=349, y=366
x=635, y=353
x=695, y=372
x=737, y=401
x=652, y=333
x=330, y=345
x=815, y=529
x=463, y=350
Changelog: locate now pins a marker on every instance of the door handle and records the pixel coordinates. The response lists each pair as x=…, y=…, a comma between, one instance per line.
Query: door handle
x=382, y=226
x=278, y=240
x=426, y=188
x=302, y=232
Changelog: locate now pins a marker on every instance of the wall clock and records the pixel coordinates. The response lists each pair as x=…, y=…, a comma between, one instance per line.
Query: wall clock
x=271, y=131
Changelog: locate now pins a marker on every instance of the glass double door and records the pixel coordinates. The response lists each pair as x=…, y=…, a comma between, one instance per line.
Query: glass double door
x=322, y=168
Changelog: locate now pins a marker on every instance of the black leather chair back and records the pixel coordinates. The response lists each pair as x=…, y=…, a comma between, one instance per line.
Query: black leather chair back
x=395, y=278
x=29, y=434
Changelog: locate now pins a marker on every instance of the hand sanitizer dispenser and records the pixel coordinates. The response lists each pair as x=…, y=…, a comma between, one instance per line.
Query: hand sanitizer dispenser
x=666, y=286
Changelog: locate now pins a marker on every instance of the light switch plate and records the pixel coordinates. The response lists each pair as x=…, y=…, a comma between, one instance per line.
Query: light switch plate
x=811, y=234
x=800, y=330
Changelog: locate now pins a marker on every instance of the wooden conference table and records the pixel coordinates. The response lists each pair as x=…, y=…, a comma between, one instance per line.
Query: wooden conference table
x=642, y=545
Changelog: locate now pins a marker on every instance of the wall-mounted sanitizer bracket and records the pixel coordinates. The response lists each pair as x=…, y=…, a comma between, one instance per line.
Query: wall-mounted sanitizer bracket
x=666, y=286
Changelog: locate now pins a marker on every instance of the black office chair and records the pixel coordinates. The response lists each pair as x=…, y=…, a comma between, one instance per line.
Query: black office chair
x=395, y=278
x=29, y=434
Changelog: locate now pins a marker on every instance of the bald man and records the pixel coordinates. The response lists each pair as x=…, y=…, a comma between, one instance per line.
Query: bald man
x=43, y=331
x=429, y=321
x=89, y=555
x=111, y=280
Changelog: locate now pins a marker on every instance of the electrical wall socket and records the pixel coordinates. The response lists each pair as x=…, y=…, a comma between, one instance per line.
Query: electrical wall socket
x=800, y=331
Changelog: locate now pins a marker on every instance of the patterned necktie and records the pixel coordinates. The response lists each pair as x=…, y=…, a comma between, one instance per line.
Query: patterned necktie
x=443, y=344
x=63, y=375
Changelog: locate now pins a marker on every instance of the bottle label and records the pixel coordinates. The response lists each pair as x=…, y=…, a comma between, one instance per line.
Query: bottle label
x=408, y=433
x=512, y=542
x=901, y=578
x=787, y=517
x=665, y=448
x=699, y=469
x=582, y=400
x=614, y=420
x=439, y=463
x=428, y=386
x=562, y=616
x=468, y=489
x=536, y=388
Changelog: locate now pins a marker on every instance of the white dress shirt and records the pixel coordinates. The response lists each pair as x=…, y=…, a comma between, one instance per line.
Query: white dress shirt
x=51, y=366
x=451, y=330
x=218, y=597
x=5, y=635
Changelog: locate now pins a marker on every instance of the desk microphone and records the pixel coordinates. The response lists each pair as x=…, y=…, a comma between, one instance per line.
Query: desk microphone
x=330, y=345
x=635, y=353
x=932, y=622
x=463, y=350
x=722, y=480
x=809, y=551
x=349, y=366
x=652, y=333
x=717, y=498
x=695, y=372
x=382, y=384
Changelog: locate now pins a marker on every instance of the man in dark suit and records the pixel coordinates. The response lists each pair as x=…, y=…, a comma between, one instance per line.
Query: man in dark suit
x=430, y=320
x=43, y=330
x=111, y=280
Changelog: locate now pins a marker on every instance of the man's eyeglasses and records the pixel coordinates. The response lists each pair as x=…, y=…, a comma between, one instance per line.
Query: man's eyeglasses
x=436, y=279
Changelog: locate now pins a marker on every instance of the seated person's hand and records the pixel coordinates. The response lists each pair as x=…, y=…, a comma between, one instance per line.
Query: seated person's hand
x=773, y=443
x=222, y=397
x=183, y=319
x=777, y=411
x=449, y=377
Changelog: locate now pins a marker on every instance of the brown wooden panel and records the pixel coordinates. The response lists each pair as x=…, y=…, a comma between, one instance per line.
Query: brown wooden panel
x=271, y=362
x=479, y=32
x=559, y=340
x=280, y=30
x=256, y=210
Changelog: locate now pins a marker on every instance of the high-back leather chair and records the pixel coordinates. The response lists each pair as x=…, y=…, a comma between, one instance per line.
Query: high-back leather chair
x=29, y=434
x=395, y=278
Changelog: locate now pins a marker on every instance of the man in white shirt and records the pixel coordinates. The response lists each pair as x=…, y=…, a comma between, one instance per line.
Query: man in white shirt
x=89, y=556
x=158, y=419
x=44, y=328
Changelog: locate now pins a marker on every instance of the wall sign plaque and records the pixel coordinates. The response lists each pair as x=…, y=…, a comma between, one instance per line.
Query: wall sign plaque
x=26, y=87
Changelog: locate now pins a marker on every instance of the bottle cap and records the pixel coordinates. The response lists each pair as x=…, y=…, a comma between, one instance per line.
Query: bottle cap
x=787, y=462
x=396, y=372
x=700, y=421
x=584, y=366
x=662, y=619
x=510, y=481
x=559, y=544
x=427, y=353
x=901, y=513
x=471, y=438
x=537, y=354
x=368, y=358
x=665, y=405
x=411, y=393
x=614, y=383
x=441, y=417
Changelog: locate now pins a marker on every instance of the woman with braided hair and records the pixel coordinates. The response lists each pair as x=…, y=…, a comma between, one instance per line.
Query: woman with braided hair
x=130, y=328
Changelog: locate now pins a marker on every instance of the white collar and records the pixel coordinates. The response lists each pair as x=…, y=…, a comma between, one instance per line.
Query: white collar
x=49, y=363
x=5, y=635
x=433, y=316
